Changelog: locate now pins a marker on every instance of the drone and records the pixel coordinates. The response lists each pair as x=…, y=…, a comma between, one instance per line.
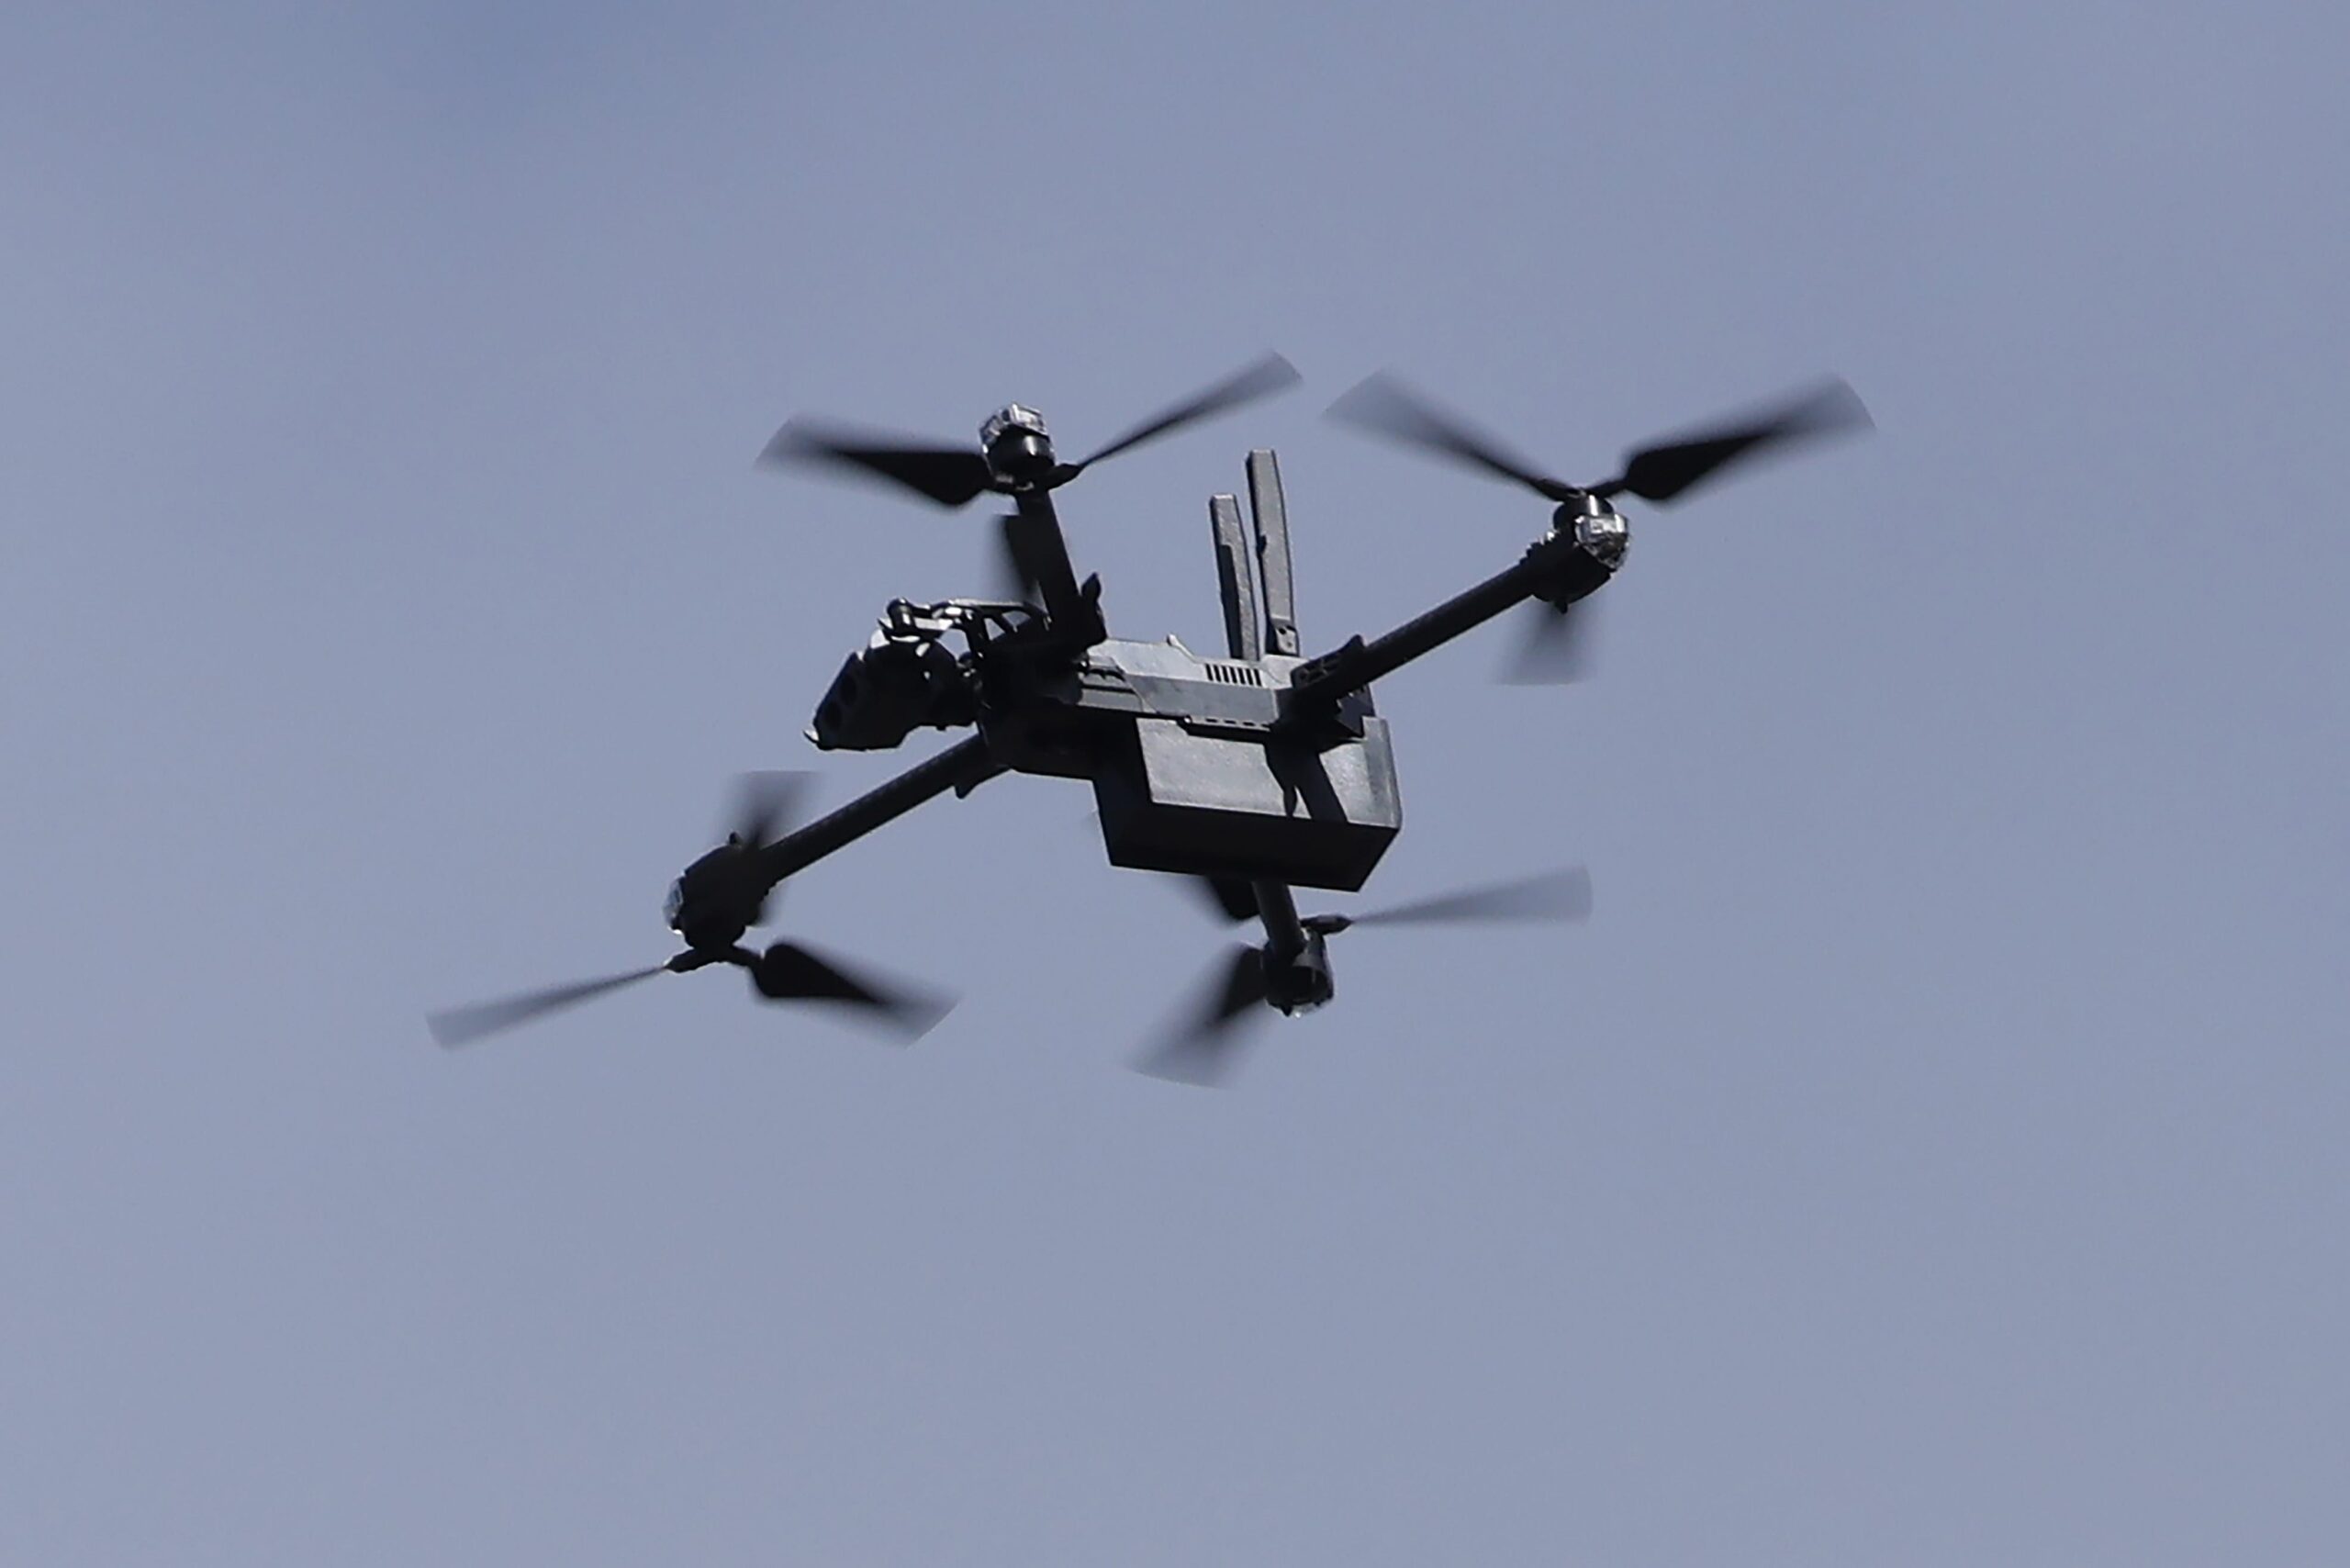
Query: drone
x=1253, y=772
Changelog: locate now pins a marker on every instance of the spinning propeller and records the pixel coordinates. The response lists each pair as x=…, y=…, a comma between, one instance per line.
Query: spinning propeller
x=1208, y=1040
x=720, y=896
x=1555, y=645
x=1016, y=455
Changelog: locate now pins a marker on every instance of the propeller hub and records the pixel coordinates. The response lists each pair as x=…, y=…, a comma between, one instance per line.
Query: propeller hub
x=1019, y=449
x=1598, y=530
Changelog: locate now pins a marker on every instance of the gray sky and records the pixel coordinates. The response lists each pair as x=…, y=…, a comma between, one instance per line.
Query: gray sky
x=1931, y=1152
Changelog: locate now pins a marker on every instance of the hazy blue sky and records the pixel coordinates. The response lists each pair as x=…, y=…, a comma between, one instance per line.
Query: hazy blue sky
x=1932, y=1152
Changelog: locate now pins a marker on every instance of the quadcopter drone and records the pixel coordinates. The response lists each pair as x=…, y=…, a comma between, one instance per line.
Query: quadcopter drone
x=1254, y=773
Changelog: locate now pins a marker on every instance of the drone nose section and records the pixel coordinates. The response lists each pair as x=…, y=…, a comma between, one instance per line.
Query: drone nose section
x=902, y=678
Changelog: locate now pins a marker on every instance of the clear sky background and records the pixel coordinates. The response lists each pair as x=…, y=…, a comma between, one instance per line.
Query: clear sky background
x=1931, y=1152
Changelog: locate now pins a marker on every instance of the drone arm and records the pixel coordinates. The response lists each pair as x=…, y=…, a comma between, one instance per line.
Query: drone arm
x=1033, y=532
x=961, y=767
x=1284, y=933
x=1321, y=682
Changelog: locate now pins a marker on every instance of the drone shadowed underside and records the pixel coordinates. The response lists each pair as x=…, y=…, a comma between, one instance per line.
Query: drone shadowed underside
x=1255, y=772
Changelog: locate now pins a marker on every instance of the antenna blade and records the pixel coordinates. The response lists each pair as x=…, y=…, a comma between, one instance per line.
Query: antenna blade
x=1271, y=516
x=1235, y=579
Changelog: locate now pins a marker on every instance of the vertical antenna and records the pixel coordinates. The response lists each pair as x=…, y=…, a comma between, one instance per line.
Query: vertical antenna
x=1272, y=551
x=1237, y=578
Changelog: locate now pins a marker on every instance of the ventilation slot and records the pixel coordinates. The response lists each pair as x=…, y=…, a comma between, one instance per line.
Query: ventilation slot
x=1236, y=675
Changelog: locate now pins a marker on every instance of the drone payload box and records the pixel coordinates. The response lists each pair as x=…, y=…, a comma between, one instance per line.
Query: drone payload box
x=1197, y=779
x=1196, y=782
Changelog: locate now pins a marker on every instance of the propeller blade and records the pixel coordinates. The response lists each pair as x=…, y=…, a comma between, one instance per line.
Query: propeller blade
x=1662, y=472
x=1555, y=648
x=1018, y=577
x=1269, y=374
x=789, y=972
x=766, y=805
x=462, y=1026
x=1206, y=1048
x=950, y=476
x=1233, y=898
x=1552, y=896
x=1384, y=405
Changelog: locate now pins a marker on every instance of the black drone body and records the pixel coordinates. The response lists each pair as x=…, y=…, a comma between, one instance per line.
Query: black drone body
x=1257, y=771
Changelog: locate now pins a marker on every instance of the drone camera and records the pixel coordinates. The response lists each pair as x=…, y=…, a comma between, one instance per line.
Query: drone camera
x=904, y=678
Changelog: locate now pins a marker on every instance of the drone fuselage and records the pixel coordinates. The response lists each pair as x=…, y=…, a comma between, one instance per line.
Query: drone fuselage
x=1259, y=765
x=1191, y=766
x=1194, y=771
x=1260, y=771
x=1257, y=772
